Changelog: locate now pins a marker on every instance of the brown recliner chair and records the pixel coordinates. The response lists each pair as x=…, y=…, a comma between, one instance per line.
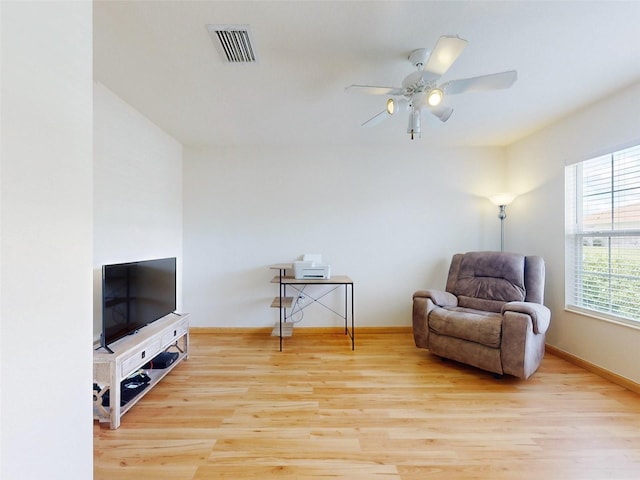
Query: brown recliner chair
x=490, y=316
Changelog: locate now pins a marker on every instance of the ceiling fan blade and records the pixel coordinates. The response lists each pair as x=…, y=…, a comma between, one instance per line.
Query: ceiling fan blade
x=443, y=113
x=483, y=83
x=374, y=90
x=383, y=115
x=446, y=51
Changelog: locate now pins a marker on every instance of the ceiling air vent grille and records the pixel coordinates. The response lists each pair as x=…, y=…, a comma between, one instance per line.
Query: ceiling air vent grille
x=235, y=42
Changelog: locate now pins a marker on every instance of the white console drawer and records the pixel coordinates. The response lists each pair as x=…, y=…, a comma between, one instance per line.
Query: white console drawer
x=140, y=357
x=172, y=334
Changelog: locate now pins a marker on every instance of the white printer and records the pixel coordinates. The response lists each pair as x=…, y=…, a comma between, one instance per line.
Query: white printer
x=311, y=267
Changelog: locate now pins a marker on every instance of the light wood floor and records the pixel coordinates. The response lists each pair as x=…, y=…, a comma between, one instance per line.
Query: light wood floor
x=240, y=409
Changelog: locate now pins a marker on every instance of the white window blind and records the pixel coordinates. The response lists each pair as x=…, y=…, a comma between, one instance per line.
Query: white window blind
x=602, y=251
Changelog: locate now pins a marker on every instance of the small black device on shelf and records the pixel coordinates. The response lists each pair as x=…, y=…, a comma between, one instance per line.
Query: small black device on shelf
x=135, y=294
x=129, y=389
x=162, y=360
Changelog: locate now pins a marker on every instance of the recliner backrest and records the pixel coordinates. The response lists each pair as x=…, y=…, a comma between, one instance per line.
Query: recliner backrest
x=487, y=280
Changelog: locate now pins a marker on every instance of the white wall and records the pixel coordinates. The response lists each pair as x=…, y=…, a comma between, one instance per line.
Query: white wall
x=137, y=190
x=1, y=150
x=536, y=220
x=389, y=218
x=45, y=240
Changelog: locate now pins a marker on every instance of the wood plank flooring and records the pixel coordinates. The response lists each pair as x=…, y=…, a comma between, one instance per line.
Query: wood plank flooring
x=240, y=409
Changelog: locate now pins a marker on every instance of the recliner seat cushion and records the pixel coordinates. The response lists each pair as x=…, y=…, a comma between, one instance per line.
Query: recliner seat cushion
x=472, y=325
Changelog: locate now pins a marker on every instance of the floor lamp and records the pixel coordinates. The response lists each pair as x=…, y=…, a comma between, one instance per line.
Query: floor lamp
x=501, y=200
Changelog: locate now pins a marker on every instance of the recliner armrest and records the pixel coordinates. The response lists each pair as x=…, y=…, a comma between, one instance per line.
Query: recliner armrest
x=540, y=314
x=438, y=297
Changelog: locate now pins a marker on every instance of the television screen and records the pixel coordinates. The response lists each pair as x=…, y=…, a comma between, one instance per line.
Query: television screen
x=135, y=294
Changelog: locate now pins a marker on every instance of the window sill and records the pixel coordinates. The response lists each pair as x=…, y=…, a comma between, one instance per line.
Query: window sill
x=635, y=325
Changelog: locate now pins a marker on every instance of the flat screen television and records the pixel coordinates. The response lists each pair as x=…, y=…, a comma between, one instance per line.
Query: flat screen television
x=135, y=294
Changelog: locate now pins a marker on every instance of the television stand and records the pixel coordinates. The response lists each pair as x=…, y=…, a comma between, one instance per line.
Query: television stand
x=105, y=347
x=129, y=354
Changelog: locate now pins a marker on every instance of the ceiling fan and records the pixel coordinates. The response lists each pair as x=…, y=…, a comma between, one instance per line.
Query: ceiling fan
x=420, y=90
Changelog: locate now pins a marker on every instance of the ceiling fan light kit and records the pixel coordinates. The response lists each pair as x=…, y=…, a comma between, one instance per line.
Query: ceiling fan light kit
x=397, y=105
x=420, y=90
x=434, y=97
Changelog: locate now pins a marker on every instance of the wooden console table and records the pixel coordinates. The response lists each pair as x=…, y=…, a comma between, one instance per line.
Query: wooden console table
x=284, y=302
x=170, y=333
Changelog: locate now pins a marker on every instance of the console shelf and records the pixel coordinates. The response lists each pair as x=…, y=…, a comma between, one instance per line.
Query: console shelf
x=170, y=333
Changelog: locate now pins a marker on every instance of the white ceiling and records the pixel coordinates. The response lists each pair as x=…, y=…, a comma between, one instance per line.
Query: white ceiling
x=158, y=56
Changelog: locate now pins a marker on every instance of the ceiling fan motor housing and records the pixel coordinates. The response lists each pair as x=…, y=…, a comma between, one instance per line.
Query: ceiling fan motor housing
x=419, y=57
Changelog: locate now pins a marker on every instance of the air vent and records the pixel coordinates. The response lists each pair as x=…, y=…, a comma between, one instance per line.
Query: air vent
x=235, y=42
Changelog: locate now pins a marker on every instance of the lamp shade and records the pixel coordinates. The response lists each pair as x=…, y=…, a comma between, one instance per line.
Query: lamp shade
x=504, y=198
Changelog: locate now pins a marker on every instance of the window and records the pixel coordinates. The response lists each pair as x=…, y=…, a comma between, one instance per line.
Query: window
x=602, y=254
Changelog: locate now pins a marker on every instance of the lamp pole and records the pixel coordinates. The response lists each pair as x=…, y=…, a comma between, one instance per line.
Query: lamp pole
x=502, y=215
x=501, y=200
